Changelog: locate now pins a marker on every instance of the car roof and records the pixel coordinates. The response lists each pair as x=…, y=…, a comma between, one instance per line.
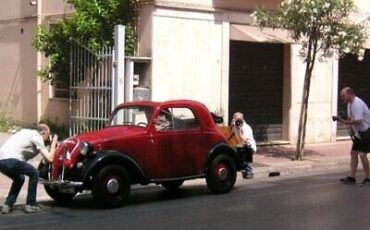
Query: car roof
x=163, y=103
x=200, y=108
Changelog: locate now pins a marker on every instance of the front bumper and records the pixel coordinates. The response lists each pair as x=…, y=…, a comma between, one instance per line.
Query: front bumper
x=63, y=185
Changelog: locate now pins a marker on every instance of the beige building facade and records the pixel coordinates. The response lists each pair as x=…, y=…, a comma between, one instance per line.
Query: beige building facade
x=23, y=97
x=205, y=50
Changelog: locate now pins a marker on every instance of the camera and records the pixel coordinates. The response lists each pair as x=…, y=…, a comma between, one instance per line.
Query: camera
x=341, y=116
x=238, y=123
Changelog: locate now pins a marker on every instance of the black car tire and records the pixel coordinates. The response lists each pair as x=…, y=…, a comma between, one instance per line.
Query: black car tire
x=172, y=185
x=53, y=192
x=111, y=187
x=221, y=174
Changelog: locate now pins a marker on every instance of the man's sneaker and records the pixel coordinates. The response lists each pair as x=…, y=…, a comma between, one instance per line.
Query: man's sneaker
x=247, y=176
x=32, y=208
x=6, y=209
x=365, y=182
x=348, y=180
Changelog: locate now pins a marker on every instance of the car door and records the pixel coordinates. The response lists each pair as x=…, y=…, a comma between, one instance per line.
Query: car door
x=175, y=146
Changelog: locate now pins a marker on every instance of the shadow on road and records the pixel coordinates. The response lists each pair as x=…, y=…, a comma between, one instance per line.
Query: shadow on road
x=137, y=197
x=284, y=152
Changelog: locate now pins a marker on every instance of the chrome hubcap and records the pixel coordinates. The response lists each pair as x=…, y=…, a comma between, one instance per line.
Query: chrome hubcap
x=112, y=186
x=222, y=173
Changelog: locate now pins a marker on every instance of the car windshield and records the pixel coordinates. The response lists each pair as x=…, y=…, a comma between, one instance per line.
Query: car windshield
x=134, y=115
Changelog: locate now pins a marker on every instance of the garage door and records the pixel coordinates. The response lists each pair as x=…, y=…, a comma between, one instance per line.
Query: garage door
x=256, y=86
x=355, y=74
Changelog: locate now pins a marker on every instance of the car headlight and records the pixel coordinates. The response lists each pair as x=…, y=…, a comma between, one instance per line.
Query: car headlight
x=84, y=148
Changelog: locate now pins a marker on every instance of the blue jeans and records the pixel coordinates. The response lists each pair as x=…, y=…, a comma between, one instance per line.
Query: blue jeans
x=249, y=168
x=16, y=169
x=246, y=154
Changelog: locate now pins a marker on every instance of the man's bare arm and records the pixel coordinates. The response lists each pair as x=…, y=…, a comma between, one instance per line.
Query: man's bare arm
x=49, y=155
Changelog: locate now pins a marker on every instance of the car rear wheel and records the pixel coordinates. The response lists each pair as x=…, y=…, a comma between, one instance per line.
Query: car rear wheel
x=172, y=185
x=111, y=187
x=221, y=175
x=53, y=192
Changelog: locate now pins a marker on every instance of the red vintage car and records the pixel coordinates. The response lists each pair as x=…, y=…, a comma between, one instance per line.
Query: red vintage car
x=144, y=142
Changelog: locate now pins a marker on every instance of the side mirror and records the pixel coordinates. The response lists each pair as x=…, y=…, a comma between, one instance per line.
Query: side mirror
x=217, y=119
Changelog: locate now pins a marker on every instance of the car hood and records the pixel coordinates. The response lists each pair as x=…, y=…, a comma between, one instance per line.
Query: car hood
x=110, y=133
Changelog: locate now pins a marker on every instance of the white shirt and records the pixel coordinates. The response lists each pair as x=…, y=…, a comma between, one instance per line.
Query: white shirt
x=23, y=145
x=247, y=131
x=358, y=110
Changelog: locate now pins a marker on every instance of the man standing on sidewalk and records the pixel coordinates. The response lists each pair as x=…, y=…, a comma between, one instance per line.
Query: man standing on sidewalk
x=358, y=120
x=14, y=154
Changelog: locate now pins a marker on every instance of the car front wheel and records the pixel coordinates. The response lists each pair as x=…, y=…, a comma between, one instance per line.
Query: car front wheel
x=44, y=169
x=111, y=187
x=221, y=174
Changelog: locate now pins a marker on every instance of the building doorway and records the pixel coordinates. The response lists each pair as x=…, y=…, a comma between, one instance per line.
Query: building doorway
x=355, y=74
x=256, y=86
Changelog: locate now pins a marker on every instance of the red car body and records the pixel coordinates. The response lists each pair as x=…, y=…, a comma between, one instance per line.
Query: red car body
x=134, y=149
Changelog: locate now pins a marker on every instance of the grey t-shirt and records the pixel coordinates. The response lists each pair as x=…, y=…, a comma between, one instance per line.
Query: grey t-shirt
x=23, y=145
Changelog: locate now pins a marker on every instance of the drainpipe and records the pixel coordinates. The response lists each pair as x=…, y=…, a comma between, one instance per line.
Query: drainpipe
x=38, y=65
x=118, y=90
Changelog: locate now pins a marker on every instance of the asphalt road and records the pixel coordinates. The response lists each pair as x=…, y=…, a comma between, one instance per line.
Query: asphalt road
x=311, y=202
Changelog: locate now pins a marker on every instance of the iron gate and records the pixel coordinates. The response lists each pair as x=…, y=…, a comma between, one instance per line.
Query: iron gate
x=90, y=88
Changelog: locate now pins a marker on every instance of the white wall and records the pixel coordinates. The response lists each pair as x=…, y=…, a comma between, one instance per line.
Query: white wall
x=319, y=123
x=190, y=51
x=187, y=57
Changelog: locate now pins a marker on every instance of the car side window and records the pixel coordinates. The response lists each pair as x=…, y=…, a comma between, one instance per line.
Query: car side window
x=164, y=120
x=184, y=119
x=176, y=119
x=138, y=116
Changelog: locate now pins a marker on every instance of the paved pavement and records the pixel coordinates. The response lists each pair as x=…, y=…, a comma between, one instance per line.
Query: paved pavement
x=268, y=160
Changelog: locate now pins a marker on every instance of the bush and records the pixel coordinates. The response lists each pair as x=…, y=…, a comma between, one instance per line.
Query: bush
x=7, y=124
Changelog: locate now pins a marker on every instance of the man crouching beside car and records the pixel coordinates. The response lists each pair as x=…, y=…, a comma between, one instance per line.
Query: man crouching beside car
x=14, y=154
x=246, y=144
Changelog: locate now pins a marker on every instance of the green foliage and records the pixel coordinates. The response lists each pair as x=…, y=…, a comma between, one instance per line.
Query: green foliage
x=326, y=24
x=92, y=24
x=7, y=124
x=61, y=130
x=4, y=123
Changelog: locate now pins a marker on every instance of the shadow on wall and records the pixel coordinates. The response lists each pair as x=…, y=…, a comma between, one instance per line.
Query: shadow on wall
x=13, y=96
x=249, y=5
x=18, y=73
x=56, y=115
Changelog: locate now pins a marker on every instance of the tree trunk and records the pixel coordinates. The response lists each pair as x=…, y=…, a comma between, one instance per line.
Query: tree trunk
x=303, y=117
x=310, y=62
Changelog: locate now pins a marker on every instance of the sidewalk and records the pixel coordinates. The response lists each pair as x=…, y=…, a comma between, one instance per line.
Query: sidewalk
x=322, y=156
x=278, y=158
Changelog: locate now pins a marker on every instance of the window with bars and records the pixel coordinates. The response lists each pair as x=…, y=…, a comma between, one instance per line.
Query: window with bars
x=60, y=91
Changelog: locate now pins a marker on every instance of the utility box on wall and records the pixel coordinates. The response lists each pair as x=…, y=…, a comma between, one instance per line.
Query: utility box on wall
x=136, y=82
x=141, y=94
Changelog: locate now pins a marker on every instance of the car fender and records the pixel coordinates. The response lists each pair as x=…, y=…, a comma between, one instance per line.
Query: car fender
x=224, y=148
x=104, y=158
